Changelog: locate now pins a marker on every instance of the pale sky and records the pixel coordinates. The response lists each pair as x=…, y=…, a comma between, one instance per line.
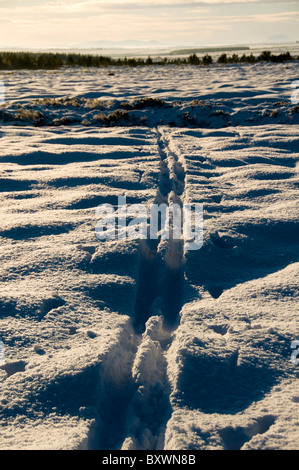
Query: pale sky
x=66, y=23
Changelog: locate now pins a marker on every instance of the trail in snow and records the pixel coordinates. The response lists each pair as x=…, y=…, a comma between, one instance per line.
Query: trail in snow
x=141, y=407
x=161, y=270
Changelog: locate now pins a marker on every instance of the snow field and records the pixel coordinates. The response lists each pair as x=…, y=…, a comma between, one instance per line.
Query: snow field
x=145, y=345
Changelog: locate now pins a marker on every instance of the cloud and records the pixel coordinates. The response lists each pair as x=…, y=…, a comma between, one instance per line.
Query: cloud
x=154, y=4
x=129, y=4
x=78, y=21
x=58, y=8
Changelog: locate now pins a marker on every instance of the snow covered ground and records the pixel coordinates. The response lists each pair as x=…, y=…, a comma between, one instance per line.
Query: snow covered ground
x=128, y=344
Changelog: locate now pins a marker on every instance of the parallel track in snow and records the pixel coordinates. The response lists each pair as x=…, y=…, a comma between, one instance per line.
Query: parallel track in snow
x=143, y=403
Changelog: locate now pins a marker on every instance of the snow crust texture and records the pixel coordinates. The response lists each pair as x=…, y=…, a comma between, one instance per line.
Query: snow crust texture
x=142, y=344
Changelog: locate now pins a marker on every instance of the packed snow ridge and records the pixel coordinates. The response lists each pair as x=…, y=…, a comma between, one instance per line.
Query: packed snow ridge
x=143, y=344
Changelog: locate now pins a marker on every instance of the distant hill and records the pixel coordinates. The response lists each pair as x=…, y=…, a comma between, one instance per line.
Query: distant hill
x=119, y=44
x=279, y=38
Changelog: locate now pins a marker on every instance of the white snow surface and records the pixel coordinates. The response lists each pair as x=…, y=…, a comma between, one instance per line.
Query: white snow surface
x=124, y=344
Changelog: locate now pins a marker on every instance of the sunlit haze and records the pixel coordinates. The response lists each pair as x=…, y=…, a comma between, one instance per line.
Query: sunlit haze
x=94, y=23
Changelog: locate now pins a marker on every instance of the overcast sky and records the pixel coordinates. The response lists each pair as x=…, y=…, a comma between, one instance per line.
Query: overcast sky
x=66, y=23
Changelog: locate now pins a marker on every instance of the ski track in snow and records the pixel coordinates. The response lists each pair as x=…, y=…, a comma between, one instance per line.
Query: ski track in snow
x=156, y=312
x=142, y=344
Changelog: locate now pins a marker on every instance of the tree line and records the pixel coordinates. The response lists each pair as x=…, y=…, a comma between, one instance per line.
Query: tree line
x=51, y=60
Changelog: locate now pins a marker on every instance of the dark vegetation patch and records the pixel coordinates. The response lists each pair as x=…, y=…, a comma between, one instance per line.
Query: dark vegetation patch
x=50, y=60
